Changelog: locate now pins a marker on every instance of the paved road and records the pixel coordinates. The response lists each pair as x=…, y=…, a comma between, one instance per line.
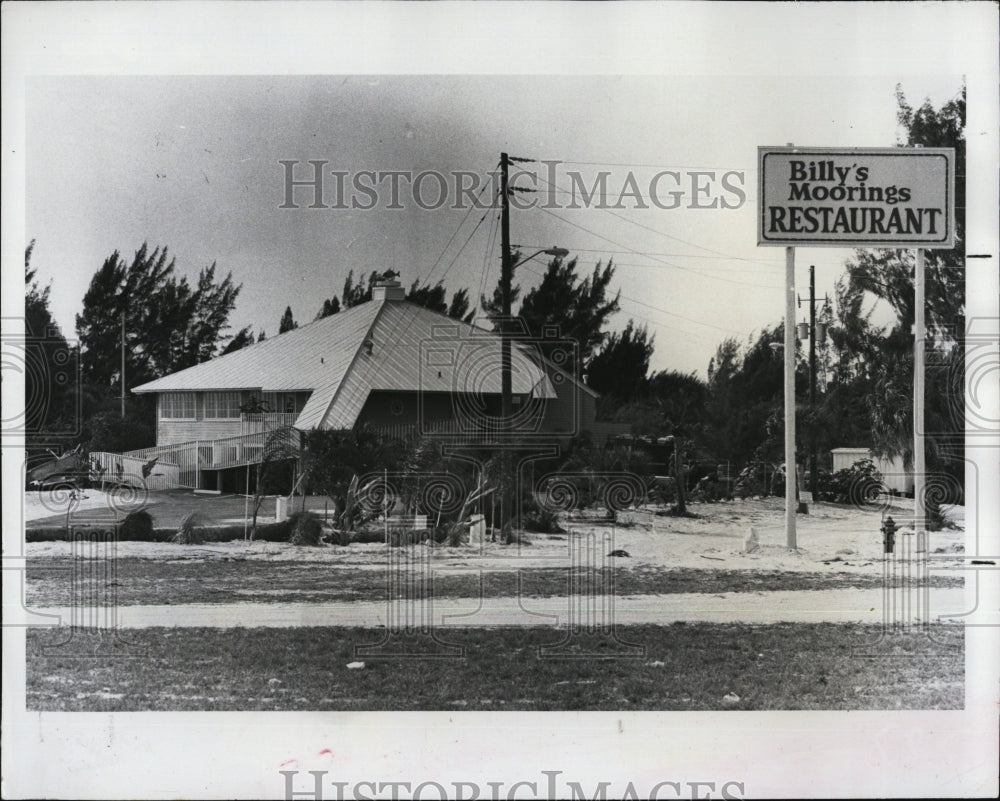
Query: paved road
x=844, y=606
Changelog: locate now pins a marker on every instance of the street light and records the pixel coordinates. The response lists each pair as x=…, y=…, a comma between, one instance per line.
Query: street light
x=560, y=253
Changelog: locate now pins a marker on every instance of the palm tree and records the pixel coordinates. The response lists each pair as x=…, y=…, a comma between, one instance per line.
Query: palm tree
x=681, y=399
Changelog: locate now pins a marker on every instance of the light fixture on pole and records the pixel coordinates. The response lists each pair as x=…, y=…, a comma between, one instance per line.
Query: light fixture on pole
x=560, y=253
x=506, y=279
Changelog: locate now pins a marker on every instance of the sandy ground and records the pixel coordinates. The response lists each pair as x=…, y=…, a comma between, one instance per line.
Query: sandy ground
x=831, y=538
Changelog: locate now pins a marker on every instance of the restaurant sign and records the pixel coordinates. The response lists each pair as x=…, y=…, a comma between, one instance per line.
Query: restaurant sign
x=856, y=197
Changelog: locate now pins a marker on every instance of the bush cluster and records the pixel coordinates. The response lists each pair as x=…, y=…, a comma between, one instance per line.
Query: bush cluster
x=306, y=529
x=136, y=527
x=858, y=484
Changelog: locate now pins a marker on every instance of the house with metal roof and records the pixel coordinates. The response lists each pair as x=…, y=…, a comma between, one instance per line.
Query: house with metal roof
x=387, y=364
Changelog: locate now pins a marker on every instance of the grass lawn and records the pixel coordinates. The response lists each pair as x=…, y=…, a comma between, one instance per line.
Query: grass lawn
x=147, y=581
x=679, y=667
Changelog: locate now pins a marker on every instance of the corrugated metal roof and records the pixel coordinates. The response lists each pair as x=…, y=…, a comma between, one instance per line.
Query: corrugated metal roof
x=413, y=348
x=317, y=354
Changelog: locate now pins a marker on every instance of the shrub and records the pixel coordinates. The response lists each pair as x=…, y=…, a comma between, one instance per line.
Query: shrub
x=221, y=533
x=202, y=534
x=305, y=529
x=663, y=490
x=189, y=532
x=823, y=491
x=136, y=527
x=274, y=532
x=341, y=537
x=708, y=489
x=46, y=535
x=758, y=479
x=543, y=521
x=367, y=536
x=595, y=476
x=453, y=534
x=858, y=484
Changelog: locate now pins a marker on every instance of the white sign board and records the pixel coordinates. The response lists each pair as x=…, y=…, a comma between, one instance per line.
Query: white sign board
x=856, y=197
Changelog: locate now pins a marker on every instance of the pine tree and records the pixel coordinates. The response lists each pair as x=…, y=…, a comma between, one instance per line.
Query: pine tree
x=576, y=308
x=241, y=339
x=330, y=306
x=50, y=364
x=168, y=324
x=435, y=298
x=356, y=294
x=287, y=321
x=459, y=307
x=430, y=297
x=618, y=370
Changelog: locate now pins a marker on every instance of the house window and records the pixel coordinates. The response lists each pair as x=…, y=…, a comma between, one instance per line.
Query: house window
x=178, y=406
x=285, y=402
x=222, y=405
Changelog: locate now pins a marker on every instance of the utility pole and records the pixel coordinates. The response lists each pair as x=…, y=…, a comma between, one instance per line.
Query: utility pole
x=816, y=333
x=506, y=277
x=123, y=365
x=813, y=478
x=506, y=392
x=919, y=455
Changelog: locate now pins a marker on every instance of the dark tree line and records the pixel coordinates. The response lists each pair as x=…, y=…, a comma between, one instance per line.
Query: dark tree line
x=865, y=379
x=50, y=366
x=168, y=323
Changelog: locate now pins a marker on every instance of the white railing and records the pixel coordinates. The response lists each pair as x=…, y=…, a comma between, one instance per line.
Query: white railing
x=247, y=448
x=120, y=468
x=253, y=423
x=190, y=458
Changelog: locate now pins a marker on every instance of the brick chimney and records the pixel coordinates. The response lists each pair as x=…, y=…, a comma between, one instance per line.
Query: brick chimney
x=388, y=289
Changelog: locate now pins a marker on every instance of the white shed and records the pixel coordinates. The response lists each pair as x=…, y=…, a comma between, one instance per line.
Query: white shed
x=894, y=475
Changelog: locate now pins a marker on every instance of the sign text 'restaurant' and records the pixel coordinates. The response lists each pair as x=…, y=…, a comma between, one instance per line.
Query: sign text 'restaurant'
x=856, y=197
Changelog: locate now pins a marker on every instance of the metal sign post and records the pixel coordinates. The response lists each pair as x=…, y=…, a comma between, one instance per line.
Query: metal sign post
x=791, y=476
x=856, y=197
x=919, y=465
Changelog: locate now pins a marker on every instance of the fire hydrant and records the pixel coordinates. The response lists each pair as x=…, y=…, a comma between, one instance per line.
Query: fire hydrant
x=888, y=535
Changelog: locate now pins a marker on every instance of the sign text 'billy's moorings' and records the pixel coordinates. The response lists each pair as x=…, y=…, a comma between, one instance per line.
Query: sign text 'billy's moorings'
x=856, y=197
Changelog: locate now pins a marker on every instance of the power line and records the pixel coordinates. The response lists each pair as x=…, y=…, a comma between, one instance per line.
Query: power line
x=652, y=166
x=632, y=250
x=775, y=263
x=608, y=251
x=455, y=233
x=658, y=231
x=655, y=323
x=464, y=244
x=490, y=246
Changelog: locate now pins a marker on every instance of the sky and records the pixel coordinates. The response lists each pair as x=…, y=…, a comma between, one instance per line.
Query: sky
x=193, y=163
